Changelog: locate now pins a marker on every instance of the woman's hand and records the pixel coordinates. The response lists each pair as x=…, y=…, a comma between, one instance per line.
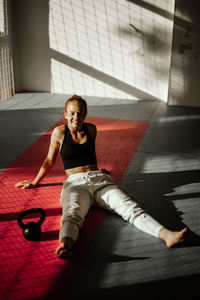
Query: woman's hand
x=25, y=184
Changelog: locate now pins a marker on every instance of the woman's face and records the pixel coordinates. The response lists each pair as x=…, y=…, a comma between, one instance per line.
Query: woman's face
x=75, y=115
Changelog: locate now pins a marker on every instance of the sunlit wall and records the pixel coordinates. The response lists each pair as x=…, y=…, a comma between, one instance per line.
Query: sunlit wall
x=111, y=48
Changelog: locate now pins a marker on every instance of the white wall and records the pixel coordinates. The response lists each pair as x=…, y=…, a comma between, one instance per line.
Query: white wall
x=184, y=83
x=107, y=48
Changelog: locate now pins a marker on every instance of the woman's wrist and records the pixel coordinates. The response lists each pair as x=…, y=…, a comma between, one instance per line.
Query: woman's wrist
x=35, y=183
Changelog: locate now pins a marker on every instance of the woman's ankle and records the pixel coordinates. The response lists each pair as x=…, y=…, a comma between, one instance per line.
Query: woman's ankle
x=68, y=242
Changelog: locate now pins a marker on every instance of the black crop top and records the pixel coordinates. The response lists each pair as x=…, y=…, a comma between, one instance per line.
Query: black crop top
x=77, y=155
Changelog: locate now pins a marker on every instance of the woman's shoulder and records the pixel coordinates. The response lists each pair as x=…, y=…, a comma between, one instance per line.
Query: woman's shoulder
x=90, y=125
x=91, y=128
x=59, y=132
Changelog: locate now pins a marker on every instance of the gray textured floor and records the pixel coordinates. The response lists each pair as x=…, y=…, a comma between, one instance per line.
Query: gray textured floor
x=163, y=178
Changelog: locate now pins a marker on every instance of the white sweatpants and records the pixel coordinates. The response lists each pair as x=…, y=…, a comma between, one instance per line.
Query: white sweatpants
x=82, y=190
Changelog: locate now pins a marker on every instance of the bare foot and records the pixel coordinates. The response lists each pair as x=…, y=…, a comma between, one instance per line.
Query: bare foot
x=63, y=252
x=172, y=238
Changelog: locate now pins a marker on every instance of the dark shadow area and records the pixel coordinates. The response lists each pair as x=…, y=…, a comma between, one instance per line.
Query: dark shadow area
x=113, y=258
x=191, y=239
x=152, y=192
x=49, y=235
x=183, y=287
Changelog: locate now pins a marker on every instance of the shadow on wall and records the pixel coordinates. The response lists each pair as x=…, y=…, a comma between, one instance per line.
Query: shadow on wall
x=185, y=62
x=32, y=67
x=184, y=75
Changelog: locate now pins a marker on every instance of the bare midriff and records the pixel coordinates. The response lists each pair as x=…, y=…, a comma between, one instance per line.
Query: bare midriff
x=81, y=169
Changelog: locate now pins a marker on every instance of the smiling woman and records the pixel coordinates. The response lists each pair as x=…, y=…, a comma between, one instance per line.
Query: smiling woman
x=78, y=146
x=86, y=185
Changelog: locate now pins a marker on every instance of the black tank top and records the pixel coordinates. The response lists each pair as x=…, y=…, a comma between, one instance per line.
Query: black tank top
x=77, y=155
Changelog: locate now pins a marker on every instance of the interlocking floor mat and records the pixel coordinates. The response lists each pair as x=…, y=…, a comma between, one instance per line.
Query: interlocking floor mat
x=31, y=270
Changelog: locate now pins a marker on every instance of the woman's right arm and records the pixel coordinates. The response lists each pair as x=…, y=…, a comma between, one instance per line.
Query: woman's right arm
x=48, y=162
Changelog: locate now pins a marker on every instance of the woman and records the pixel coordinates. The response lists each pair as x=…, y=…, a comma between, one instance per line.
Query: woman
x=86, y=184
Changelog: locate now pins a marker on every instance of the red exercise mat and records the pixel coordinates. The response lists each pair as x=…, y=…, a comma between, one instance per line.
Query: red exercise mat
x=31, y=269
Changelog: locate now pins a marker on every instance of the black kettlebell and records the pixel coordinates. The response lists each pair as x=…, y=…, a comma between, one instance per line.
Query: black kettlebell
x=32, y=230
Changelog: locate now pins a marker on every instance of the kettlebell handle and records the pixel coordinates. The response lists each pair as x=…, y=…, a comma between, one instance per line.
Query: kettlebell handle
x=28, y=212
